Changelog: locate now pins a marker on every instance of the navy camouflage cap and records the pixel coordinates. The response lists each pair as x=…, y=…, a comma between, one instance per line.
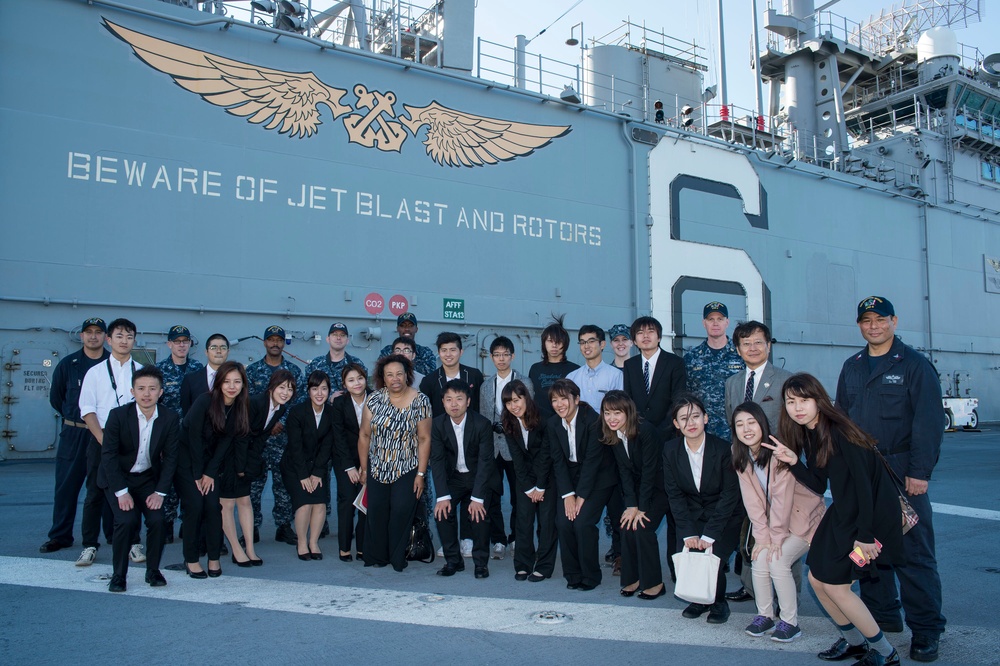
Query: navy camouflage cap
x=274, y=330
x=178, y=332
x=94, y=321
x=619, y=329
x=876, y=304
x=338, y=326
x=715, y=306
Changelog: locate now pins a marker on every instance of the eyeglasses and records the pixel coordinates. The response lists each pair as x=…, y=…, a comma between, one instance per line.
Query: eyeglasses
x=501, y=354
x=589, y=341
x=218, y=348
x=753, y=344
x=181, y=342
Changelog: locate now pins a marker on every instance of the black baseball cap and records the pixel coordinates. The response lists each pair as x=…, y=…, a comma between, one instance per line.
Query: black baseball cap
x=178, y=332
x=406, y=317
x=876, y=304
x=94, y=321
x=274, y=330
x=715, y=306
x=338, y=326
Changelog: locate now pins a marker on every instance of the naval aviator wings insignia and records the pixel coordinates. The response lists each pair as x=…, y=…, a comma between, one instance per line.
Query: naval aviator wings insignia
x=289, y=103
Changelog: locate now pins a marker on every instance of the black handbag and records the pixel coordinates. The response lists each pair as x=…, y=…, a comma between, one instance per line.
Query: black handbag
x=421, y=545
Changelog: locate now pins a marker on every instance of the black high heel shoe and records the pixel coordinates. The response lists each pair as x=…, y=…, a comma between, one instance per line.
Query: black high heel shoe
x=215, y=573
x=257, y=563
x=346, y=558
x=315, y=556
x=200, y=575
x=305, y=557
x=245, y=565
x=628, y=593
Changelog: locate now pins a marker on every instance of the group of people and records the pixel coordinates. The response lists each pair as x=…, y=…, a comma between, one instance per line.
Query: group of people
x=733, y=453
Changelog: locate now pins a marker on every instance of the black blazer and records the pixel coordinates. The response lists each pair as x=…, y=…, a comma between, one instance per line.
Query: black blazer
x=433, y=387
x=193, y=385
x=202, y=450
x=641, y=469
x=249, y=457
x=345, y=433
x=478, y=448
x=595, y=466
x=308, y=450
x=121, y=447
x=532, y=461
x=716, y=508
x=669, y=378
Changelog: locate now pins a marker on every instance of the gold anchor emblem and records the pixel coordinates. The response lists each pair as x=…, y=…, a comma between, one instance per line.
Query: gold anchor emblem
x=371, y=130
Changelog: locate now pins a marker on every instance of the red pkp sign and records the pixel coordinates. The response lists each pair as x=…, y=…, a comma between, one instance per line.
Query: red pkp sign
x=398, y=305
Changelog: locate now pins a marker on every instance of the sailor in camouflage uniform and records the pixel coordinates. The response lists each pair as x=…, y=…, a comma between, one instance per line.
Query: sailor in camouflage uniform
x=258, y=375
x=406, y=327
x=174, y=369
x=710, y=364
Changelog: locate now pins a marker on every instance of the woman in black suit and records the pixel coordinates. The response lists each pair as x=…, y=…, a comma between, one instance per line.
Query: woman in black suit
x=306, y=462
x=214, y=422
x=638, y=449
x=246, y=464
x=348, y=409
x=532, y=461
x=864, y=518
x=704, y=494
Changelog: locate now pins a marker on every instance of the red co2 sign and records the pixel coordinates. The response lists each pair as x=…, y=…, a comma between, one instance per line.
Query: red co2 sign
x=398, y=305
x=374, y=303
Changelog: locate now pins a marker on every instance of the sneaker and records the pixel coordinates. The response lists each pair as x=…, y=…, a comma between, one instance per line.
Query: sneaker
x=137, y=554
x=760, y=626
x=510, y=546
x=466, y=547
x=499, y=551
x=440, y=551
x=785, y=633
x=86, y=557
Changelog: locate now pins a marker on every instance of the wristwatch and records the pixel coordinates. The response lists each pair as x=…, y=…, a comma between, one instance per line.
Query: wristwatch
x=421, y=473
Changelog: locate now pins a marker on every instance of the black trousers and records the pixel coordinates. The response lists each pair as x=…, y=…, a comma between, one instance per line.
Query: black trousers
x=71, y=473
x=140, y=486
x=498, y=533
x=202, y=516
x=671, y=539
x=578, y=539
x=615, y=507
x=640, y=550
x=95, y=505
x=543, y=515
x=723, y=549
x=346, y=532
x=390, y=517
x=460, y=486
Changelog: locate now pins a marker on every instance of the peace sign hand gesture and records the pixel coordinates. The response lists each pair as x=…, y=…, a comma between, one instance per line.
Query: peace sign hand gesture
x=781, y=452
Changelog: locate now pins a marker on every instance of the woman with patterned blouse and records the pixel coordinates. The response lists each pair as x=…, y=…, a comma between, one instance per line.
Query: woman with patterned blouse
x=394, y=445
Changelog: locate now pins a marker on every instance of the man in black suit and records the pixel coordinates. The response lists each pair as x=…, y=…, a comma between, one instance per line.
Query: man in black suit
x=653, y=379
x=449, y=346
x=138, y=459
x=196, y=383
x=586, y=475
x=464, y=475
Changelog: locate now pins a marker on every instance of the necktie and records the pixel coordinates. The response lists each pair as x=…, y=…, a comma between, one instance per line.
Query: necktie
x=748, y=396
x=645, y=375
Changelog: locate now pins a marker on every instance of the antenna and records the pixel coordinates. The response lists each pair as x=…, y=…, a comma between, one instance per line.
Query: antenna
x=896, y=28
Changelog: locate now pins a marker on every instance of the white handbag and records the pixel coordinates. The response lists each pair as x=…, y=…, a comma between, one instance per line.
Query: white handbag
x=697, y=576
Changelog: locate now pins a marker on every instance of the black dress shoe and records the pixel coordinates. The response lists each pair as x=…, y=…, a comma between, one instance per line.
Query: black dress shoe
x=200, y=575
x=841, y=650
x=244, y=565
x=315, y=556
x=117, y=584
x=155, y=579
x=572, y=586
x=482, y=572
x=586, y=587
x=609, y=556
x=628, y=593
x=694, y=610
x=536, y=577
x=739, y=595
x=257, y=563
x=718, y=613
x=305, y=557
x=286, y=534
x=923, y=648
x=521, y=575
x=52, y=546
x=346, y=558
x=214, y=573
x=873, y=658
x=650, y=597
x=448, y=570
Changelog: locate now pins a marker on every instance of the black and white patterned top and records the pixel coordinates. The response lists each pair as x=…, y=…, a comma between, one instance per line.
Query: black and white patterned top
x=393, y=450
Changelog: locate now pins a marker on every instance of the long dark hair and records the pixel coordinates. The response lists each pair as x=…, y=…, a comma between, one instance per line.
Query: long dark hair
x=741, y=452
x=531, y=415
x=793, y=435
x=217, y=411
x=618, y=401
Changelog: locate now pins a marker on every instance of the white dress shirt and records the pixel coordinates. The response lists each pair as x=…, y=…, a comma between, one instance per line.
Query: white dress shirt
x=460, y=465
x=211, y=376
x=524, y=436
x=570, y=427
x=499, y=383
x=98, y=396
x=652, y=364
x=697, y=461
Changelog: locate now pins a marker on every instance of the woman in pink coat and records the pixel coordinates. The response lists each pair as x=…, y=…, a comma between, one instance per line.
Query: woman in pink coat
x=783, y=516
